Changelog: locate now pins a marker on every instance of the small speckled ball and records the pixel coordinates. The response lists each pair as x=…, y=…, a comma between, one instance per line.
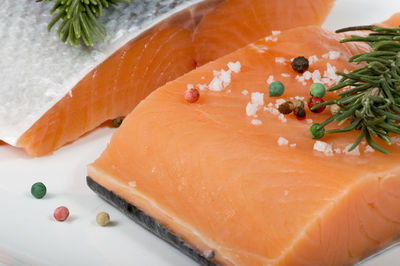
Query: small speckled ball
x=38, y=190
x=103, y=218
x=276, y=89
x=318, y=90
x=61, y=213
x=192, y=95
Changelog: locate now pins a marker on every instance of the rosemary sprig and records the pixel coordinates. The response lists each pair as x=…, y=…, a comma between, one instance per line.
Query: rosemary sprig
x=372, y=104
x=79, y=19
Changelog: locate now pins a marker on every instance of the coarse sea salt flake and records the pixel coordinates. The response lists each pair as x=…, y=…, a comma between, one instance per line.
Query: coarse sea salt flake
x=285, y=75
x=368, y=149
x=190, y=86
x=235, y=67
x=323, y=147
x=293, y=145
x=251, y=109
x=309, y=121
x=282, y=141
x=282, y=118
x=280, y=60
x=257, y=98
x=313, y=59
x=245, y=92
x=256, y=122
x=354, y=152
x=270, y=79
x=202, y=86
x=276, y=32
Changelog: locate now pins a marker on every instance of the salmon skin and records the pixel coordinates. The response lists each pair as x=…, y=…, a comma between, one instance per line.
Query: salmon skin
x=233, y=178
x=68, y=91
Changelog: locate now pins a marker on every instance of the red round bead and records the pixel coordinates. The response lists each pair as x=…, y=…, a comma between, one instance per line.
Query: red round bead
x=300, y=113
x=61, y=213
x=192, y=95
x=314, y=101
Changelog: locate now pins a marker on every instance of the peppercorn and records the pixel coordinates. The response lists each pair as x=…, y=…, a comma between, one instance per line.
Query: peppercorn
x=300, y=64
x=276, y=89
x=117, y=121
x=300, y=113
x=318, y=90
x=316, y=131
x=192, y=95
x=61, y=213
x=286, y=108
x=38, y=190
x=335, y=109
x=298, y=103
x=314, y=101
x=103, y=218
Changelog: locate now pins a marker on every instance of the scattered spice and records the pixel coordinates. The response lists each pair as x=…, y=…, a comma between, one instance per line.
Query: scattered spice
x=38, y=190
x=298, y=104
x=276, y=89
x=318, y=90
x=117, y=121
x=192, y=95
x=300, y=64
x=300, y=113
x=61, y=213
x=316, y=131
x=335, y=109
x=103, y=218
x=314, y=101
x=286, y=108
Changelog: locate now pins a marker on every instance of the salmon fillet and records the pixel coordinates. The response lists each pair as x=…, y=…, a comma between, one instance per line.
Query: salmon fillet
x=253, y=187
x=116, y=86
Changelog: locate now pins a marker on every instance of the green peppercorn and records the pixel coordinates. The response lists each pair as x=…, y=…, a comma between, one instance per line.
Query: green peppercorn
x=276, y=89
x=117, y=121
x=316, y=131
x=300, y=64
x=298, y=104
x=38, y=190
x=317, y=90
x=286, y=108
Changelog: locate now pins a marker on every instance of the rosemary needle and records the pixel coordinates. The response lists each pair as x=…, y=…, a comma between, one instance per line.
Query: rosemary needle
x=372, y=103
x=79, y=19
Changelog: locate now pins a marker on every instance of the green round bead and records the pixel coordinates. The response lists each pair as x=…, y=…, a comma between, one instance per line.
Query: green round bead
x=276, y=89
x=317, y=90
x=316, y=132
x=38, y=190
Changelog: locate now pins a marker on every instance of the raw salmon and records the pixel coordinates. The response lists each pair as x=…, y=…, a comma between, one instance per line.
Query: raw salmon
x=244, y=185
x=117, y=85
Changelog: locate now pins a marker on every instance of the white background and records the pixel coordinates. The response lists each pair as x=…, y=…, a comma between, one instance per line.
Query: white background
x=30, y=236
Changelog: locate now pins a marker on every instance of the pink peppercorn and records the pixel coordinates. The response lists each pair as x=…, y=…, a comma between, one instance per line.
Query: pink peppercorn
x=61, y=213
x=192, y=95
x=314, y=101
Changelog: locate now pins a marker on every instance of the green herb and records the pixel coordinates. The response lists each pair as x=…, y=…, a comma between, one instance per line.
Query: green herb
x=79, y=19
x=372, y=104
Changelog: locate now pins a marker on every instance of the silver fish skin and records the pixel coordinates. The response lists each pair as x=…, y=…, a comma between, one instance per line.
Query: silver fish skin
x=37, y=69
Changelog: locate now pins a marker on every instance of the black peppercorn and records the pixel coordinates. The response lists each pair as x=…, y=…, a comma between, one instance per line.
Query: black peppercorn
x=300, y=64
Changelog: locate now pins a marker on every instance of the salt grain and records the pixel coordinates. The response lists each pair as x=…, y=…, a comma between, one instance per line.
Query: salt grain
x=282, y=141
x=245, y=92
x=323, y=147
x=251, y=109
x=285, y=75
x=354, y=152
x=235, y=67
x=257, y=98
x=270, y=79
x=280, y=60
x=256, y=122
x=309, y=121
x=313, y=59
x=293, y=145
x=282, y=118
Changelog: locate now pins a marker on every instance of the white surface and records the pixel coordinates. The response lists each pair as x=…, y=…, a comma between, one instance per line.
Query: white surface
x=30, y=236
x=35, y=74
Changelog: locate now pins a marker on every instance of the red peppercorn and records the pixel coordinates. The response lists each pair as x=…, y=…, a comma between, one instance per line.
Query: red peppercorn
x=61, y=213
x=314, y=101
x=300, y=113
x=192, y=95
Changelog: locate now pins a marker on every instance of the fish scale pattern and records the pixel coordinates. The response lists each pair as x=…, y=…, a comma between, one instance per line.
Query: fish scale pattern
x=37, y=70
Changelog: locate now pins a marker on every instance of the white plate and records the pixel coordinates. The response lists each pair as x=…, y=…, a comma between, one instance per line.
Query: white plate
x=30, y=236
